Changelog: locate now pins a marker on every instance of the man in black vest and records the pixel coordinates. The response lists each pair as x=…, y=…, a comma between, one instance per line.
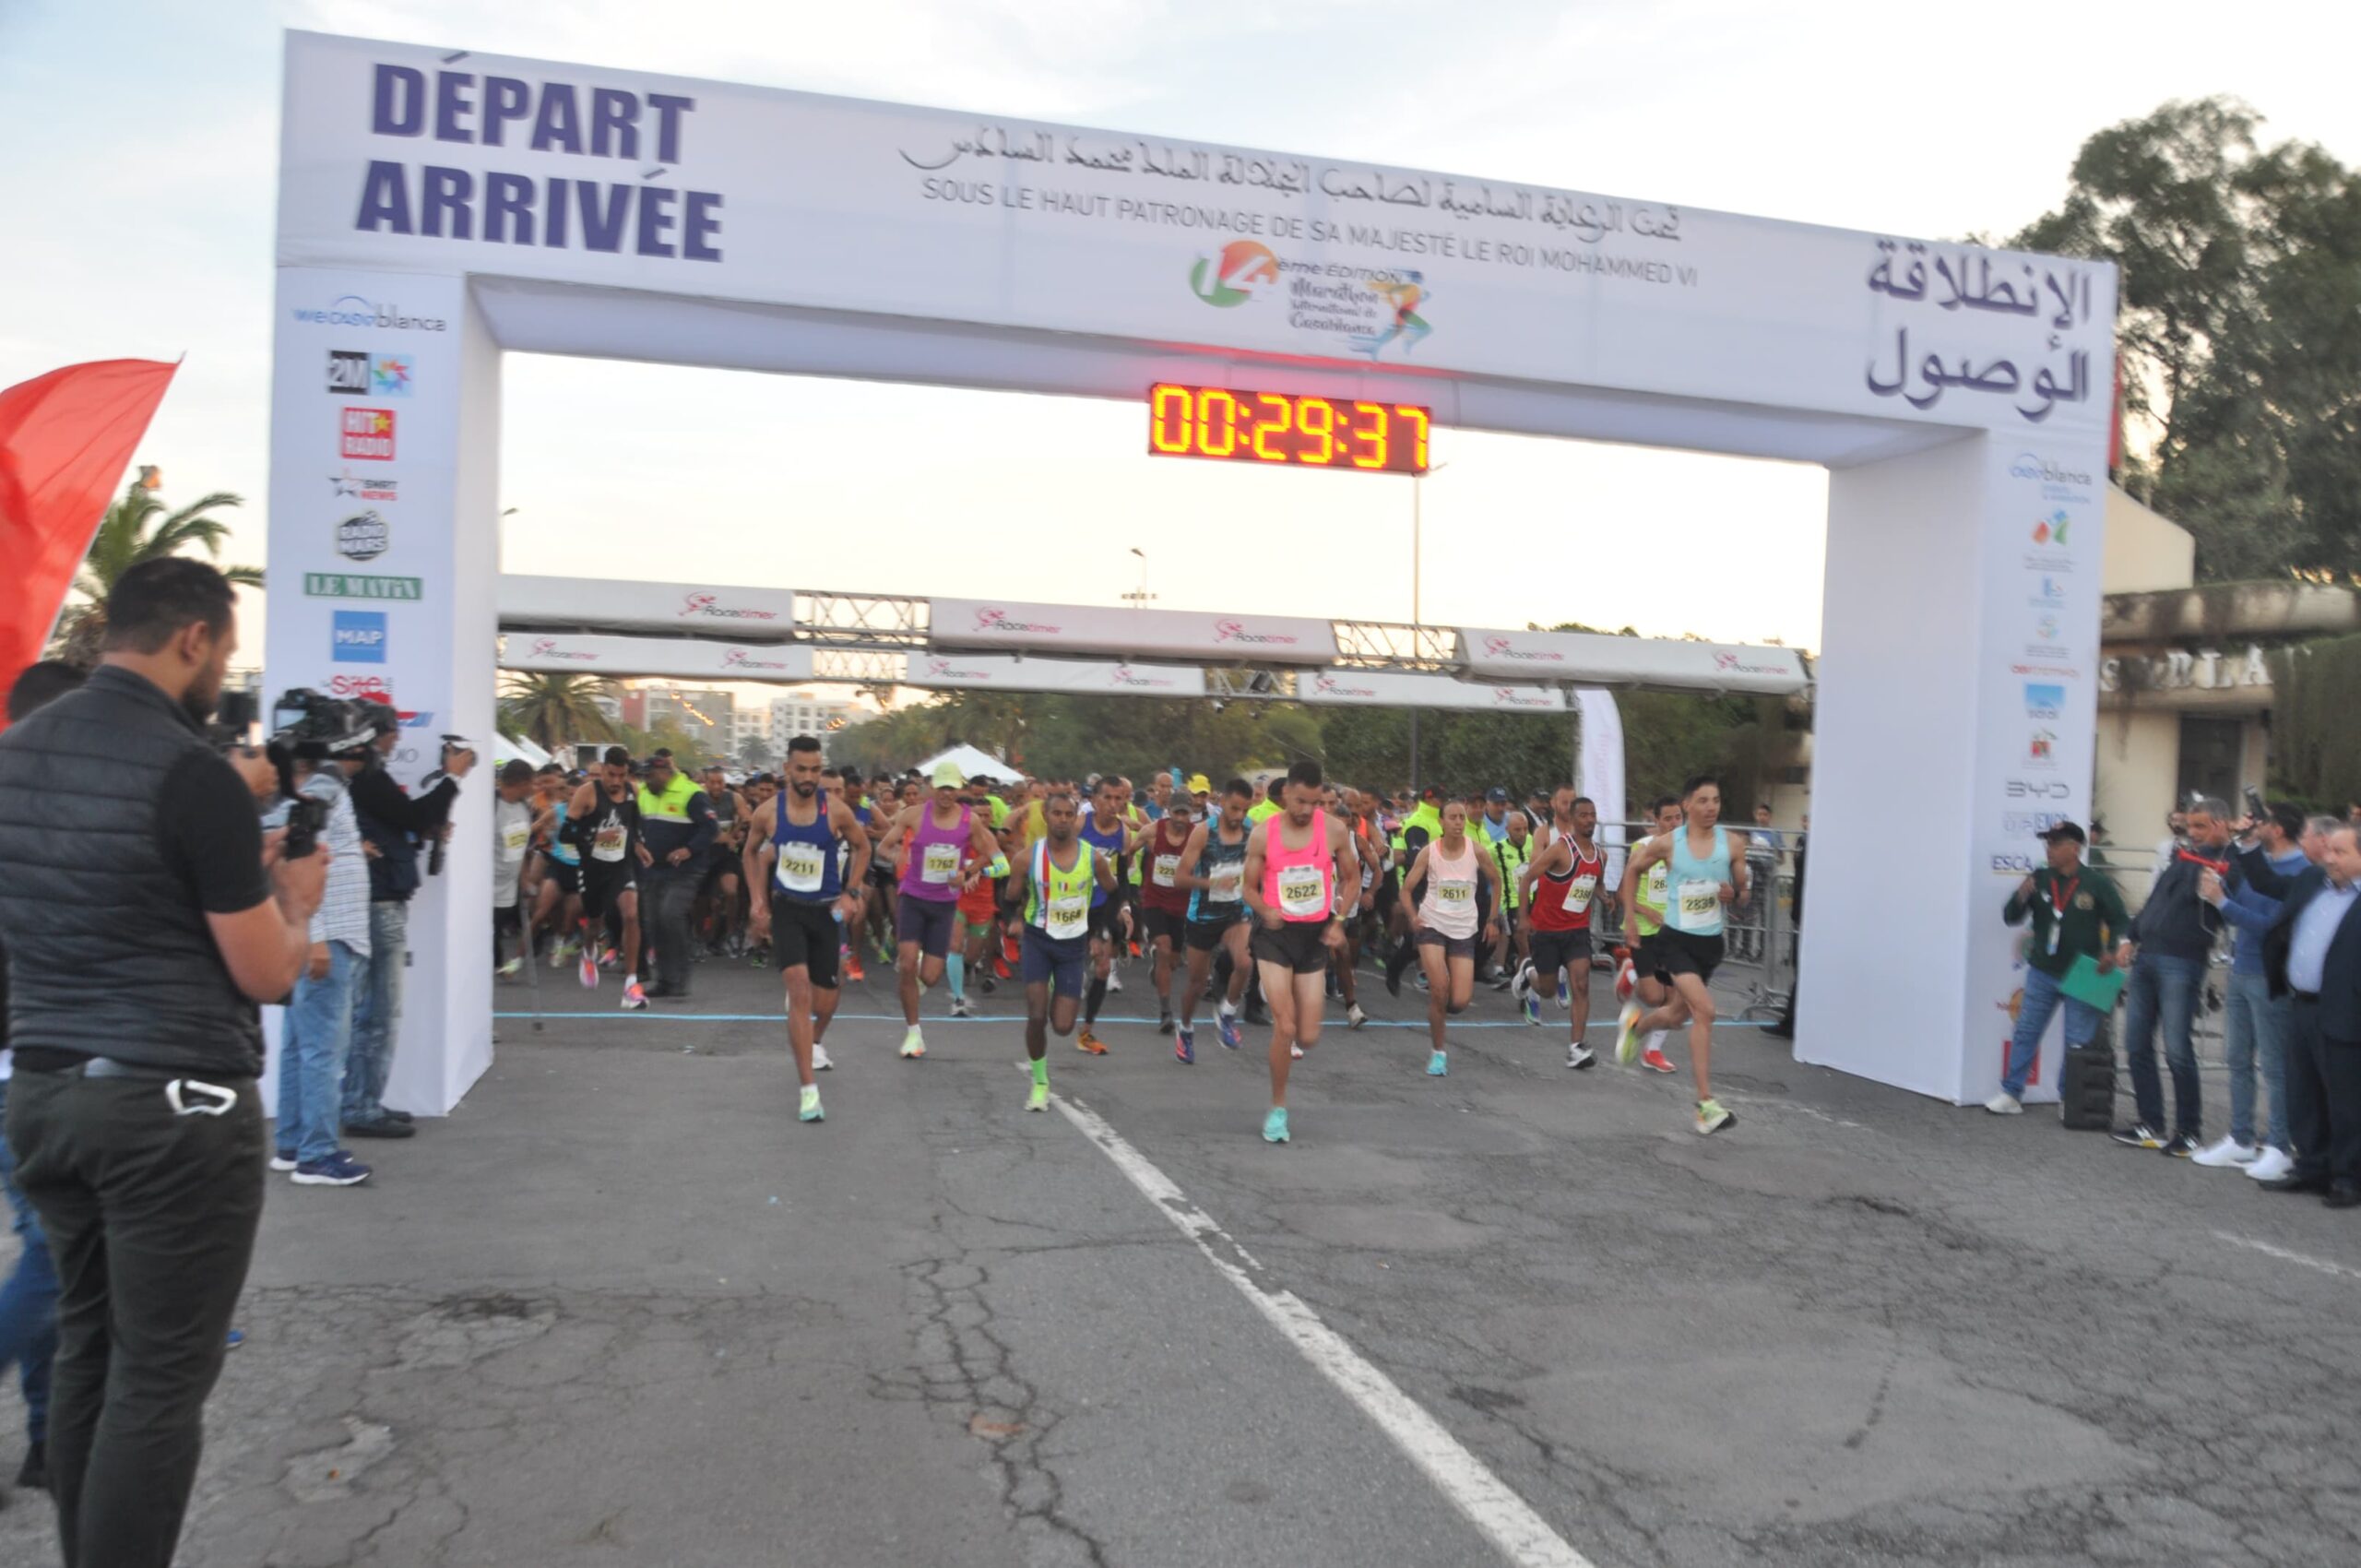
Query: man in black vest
x=2312, y=951
x=143, y=919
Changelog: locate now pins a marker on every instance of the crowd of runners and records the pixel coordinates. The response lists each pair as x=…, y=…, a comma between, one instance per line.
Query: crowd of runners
x=1262, y=899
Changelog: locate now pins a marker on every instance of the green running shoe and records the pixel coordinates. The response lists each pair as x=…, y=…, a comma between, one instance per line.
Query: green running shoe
x=1039, y=1099
x=810, y=1111
x=1711, y=1118
x=1275, y=1125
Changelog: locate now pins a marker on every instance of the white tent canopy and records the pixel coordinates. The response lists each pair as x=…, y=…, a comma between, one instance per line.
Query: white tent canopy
x=970, y=760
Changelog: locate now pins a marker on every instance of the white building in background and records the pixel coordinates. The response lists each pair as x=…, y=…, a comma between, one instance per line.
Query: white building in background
x=804, y=712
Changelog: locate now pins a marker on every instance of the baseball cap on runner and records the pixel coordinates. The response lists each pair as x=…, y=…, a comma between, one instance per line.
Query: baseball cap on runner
x=1496, y=792
x=2063, y=830
x=947, y=776
x=1200, y=785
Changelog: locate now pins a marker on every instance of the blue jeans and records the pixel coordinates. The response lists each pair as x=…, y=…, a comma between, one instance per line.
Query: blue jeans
x=28, y=1301
x=2254, y=1027
x=312, y=1042
x=2163, y=990
x=376, y=1014
x=2043, y=998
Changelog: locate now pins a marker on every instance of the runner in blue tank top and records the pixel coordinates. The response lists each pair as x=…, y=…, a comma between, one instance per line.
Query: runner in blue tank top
x=1707, y=870
x=800, y=897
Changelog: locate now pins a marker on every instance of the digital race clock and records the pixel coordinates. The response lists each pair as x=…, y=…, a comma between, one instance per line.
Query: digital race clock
x=1271, y=427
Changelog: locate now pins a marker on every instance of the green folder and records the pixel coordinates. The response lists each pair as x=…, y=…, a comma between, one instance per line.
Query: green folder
x=2084, y=983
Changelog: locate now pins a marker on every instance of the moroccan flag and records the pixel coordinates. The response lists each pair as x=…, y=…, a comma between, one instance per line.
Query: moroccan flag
x=66, y=439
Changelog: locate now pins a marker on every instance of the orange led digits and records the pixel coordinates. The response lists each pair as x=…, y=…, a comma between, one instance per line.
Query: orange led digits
x=1274, y=427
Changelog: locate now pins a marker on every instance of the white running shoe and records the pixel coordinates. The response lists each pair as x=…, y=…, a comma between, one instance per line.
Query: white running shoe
x=914, y=1043
x=1295, y=1053
x=2005, y=1104
x=2227, y=1152
x=1354, y=1017
x=820, y=1062
x=2272, y=1164
x=959, y=1008
x=1579, y=1055
x=1114, y=983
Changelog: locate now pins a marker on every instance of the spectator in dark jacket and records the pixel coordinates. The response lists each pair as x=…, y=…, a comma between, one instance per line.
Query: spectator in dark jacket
x=2312, y=952
x=2172, y=938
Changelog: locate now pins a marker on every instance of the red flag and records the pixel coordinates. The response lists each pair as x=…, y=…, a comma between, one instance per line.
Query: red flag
x=66, y=439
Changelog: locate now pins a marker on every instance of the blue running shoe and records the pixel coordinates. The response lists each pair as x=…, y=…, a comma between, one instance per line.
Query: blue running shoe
x=1226, y=1025
x=1184, y=1045
x=1275, y=1125
x=1438, y=1066
x=1533, y=1010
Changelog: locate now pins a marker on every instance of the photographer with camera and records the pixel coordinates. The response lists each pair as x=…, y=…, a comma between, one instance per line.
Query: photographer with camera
x=393, y=824
x=309, y=732
x=144, y=917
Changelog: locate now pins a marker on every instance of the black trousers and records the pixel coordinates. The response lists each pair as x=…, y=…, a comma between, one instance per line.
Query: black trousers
x=151, y=1217
x=2323, y=1099
x=665, y=893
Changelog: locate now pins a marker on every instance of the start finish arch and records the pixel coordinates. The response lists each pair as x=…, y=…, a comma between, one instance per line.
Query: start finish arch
x=437, y=208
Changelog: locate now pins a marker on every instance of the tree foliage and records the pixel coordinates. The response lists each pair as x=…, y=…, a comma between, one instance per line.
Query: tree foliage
x=553, y=710
x=2240, y=327
x=2315, y=746
x=136, y=529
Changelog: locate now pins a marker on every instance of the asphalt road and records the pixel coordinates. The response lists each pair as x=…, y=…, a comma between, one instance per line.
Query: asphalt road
x=623, y=1308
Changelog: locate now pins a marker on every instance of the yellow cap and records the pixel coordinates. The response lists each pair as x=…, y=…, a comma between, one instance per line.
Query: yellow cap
x=1200, y=785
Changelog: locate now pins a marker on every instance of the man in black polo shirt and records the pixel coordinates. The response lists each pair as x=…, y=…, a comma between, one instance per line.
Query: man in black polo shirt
x=143, y=920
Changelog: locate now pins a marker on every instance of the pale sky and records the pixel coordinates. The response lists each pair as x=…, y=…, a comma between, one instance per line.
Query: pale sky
x=139, y=188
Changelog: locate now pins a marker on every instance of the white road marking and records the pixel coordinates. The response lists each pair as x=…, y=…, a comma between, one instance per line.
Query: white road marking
x=2335, y=1270
x=1522, y=1536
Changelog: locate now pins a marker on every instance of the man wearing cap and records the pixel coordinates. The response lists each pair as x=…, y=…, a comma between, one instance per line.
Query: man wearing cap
x=2076, y=911
x=1493, y=826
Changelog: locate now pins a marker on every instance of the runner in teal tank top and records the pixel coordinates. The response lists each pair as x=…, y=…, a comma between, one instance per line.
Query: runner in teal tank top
x=1706, y=866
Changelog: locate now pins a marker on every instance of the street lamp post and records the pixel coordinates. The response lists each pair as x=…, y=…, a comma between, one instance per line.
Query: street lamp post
x=1418, y=563
x=1139, y=597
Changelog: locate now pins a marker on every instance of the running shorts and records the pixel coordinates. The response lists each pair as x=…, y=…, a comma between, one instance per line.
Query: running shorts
x=720, y=861
x=926, y=923
x=602, y=887
x=567, y=877
x=1106, y=920
x=978, y=905
x=1686, y=953
x=1554, y=950
x=1300, y=947
x=806, y=934
x=1169, y=924
x=1205, y=935
x=1452, y=946
x=1057, y=963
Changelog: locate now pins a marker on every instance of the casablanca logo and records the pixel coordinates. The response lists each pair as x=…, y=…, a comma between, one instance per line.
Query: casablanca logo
x=1232, y=279
x=707, y=606
x=2052, y=530
x=1236, y=632
x=994, y=619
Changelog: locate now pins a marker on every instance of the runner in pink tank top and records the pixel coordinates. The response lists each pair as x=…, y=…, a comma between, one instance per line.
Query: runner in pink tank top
x=945, y=847
x=1297, y=865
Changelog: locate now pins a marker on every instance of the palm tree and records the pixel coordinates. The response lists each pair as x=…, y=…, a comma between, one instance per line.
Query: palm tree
x=137, y=528
x=556, y=709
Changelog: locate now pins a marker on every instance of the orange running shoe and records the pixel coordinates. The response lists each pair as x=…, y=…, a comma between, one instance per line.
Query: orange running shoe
x=1089, y=1042
x=853, y=971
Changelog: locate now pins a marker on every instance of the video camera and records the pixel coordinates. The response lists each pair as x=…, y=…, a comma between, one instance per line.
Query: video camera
x=306, y=725
x=234, y=716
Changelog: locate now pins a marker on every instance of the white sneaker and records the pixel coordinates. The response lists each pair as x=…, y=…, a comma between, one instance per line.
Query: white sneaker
x=959, y=1008
x=914, y=1043
x=1295, y=1053
x=1354, y=1017
x=2227, y=1152
x=1578, y=1055
x=820, y=1062
x=2005, y=1104
x=1114, y=983
x=2272, y=1164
